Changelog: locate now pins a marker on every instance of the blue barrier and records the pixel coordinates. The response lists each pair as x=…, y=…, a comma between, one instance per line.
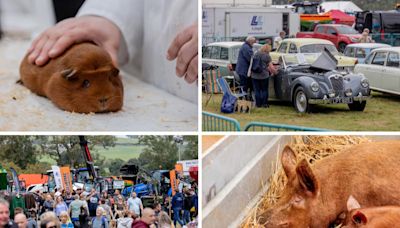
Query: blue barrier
x=214, y=122
x=259, y=126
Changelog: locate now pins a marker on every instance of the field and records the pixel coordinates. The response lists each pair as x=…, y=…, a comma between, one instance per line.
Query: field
x=381, y=114
x=125, y=149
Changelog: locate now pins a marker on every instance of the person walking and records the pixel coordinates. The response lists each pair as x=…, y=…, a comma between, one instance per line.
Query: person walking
x=261, y=79
x=135, y=204
x=5, y=221
x=75, y=209
x=65, y=220
x=243, y=62
x=60, y=206
x=177, y=206
x=100, y=221
x=146, y=220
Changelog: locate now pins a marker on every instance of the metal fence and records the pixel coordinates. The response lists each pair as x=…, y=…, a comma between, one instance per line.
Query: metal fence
x=259, y=126
x=214, y=122
x=387, y=38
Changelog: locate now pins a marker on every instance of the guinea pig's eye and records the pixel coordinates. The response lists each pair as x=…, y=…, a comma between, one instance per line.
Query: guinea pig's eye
x=86, y=83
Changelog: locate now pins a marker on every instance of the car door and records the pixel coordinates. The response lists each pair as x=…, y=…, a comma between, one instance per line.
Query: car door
x=332, y=35
x=320, y=32
x=374, y=71
x=391, y=73
x=206, y=57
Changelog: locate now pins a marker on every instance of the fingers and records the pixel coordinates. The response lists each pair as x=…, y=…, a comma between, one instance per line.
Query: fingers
x=60, y=46
x=112, y=49
x=178, y=42
x=192, y=72
x=185, y=56
x=37, y=49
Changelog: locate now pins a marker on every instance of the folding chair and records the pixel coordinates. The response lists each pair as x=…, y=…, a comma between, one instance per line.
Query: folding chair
x=211, y=75
x=223, y=84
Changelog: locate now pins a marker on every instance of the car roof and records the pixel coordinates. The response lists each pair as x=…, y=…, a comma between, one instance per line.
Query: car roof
x=395, y=49
x=229, y=44
x=305, y=41
x=368, y=45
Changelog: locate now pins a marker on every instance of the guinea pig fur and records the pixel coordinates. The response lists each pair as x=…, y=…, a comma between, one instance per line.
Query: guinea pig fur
x=82, y=80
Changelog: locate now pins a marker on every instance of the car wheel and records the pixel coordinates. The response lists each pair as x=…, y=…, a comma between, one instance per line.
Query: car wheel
x=357, y=106
x=300, y=101
x=342, y=46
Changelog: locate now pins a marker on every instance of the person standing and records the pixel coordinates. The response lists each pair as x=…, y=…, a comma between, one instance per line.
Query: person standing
x=135, y=204
x=187, y=206
x=5, y=221
x=100, y=221
x=75, y=209
x=65, y=220
x=60, y=206
x=243, y=62
x=261, y=79
x=93, y=201
x=177, y=206
x=21, y=220
x=279, y=39
x=48, y=204
x=146, y=220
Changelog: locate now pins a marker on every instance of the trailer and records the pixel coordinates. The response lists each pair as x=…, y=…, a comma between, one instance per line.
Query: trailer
x=227, y=23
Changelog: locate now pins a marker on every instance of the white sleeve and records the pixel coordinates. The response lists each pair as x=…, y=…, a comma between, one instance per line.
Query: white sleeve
x=128, y=16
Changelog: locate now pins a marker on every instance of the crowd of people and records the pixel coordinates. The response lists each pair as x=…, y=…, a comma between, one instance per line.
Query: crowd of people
x=92, y=209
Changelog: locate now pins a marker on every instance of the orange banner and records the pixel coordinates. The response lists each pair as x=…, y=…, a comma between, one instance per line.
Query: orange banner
x=172, y=178
x=66, y=178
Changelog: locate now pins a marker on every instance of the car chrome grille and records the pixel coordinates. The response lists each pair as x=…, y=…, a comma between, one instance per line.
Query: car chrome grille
x=337, y=83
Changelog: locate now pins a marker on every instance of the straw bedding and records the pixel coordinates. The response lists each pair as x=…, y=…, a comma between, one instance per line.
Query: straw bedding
x=310, y=147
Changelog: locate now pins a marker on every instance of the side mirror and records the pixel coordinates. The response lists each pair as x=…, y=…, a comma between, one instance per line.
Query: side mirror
x=334, y=33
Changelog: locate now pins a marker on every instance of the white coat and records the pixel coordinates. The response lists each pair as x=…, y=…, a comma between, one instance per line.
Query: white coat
x=148, y=27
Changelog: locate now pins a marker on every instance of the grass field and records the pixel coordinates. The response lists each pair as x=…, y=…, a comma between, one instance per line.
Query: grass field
x=382, y=113
x=121, y=150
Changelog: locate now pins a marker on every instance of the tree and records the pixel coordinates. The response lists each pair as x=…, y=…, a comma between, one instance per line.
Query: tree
x=19, y=149
x=66, y=150
x=114, y=166
x=191, y=147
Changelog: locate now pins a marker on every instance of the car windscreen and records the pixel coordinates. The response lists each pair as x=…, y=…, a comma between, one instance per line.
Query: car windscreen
x=391, y=22
x=346, y=30
x=318, y=48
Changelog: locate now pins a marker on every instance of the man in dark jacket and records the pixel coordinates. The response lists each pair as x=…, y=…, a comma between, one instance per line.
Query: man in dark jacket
x=177, y=207
x=243, y=62
x=148, y=218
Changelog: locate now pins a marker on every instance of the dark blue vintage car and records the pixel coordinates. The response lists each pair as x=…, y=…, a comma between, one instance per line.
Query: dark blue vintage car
x=306, y=84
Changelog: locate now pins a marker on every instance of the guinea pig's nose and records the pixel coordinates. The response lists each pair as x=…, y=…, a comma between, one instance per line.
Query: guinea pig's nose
x=103, y=100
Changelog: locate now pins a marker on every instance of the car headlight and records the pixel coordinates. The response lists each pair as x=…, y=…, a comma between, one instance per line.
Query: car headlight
x=314, y=86
x=365, y=83
x=348, y=92
x=331, y=93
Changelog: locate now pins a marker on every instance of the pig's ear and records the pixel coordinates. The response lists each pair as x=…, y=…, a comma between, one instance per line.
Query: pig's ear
x=306, y=177
x=352, y=203
x=288, y=160
x=359, y=218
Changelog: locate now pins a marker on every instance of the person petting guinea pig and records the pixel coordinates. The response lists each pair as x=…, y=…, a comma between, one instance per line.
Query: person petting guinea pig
x=141, y=36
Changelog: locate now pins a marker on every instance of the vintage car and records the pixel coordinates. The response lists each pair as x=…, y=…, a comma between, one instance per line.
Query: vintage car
x=224, y=55
x=306, y=84
x=361, y=50
x=382, y=68
x=311, y=48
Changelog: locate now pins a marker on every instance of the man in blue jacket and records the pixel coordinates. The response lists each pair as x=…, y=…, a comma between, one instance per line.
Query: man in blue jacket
x=177, y=207
x=243, y=62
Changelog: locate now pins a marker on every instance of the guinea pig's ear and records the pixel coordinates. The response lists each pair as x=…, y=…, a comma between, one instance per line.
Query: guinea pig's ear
x=114, y=72
x=69, y=74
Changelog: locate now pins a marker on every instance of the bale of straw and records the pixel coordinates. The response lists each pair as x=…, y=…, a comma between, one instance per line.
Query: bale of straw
x=312, y=148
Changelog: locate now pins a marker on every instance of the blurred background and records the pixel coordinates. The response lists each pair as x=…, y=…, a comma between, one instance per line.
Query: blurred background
x=28, y=18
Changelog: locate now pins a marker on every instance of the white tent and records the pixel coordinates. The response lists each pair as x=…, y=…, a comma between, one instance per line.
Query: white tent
x=345, y=6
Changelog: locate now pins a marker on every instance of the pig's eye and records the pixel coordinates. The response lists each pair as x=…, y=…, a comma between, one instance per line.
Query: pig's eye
x=297, y=199
x=85, y=83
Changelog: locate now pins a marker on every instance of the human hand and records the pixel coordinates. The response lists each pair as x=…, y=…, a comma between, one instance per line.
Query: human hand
x=184, y=48
x=55, y=40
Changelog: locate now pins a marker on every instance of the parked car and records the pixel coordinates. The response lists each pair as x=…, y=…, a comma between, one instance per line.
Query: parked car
x=361, y=50
x=339, y=35
x=382, y=68
x=306, y=84
x=311, y=48
x=224, y=55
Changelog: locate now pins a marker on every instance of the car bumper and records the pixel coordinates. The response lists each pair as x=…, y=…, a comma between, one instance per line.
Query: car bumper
x=338, y=100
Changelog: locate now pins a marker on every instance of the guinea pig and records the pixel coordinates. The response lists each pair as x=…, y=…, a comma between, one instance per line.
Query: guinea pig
x=81, y=80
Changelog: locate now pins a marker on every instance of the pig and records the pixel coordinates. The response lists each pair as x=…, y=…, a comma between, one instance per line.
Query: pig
x=315, y=195
x=371, y=217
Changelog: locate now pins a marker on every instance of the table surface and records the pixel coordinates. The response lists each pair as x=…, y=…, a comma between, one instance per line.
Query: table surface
x=146, y=108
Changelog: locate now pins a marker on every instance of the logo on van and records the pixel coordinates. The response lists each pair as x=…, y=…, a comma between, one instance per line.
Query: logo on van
x=257, y=21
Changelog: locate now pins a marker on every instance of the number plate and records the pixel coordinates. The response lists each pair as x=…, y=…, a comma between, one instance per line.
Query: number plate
x=344, y=100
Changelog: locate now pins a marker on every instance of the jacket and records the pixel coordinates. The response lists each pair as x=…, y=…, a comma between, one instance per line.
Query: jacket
x=243, y=62
x=139, y=224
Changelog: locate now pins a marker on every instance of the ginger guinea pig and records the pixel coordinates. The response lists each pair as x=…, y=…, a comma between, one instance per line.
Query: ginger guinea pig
x=82, y=80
